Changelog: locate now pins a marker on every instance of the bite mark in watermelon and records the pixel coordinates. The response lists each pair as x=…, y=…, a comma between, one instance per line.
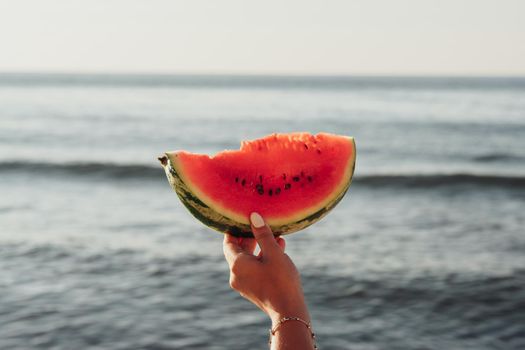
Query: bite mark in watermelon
x=292, y=180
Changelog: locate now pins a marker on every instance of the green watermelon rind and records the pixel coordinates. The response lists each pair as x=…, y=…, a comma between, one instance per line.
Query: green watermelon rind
x=215, y=220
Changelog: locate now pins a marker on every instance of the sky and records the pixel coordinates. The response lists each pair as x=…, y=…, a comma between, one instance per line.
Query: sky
x=368, y=37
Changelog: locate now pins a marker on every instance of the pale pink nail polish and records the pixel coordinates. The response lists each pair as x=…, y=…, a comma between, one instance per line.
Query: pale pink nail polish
x=256, y=220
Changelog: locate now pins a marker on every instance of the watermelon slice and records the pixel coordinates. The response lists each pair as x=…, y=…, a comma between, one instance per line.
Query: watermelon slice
x=292, y=180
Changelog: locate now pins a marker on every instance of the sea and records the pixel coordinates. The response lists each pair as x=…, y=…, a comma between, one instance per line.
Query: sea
x=426, y=250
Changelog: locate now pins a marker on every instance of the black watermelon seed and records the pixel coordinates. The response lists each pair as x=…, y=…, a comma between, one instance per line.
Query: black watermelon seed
x=243, y=182
x=295, y=178
x=318, y=151
x=260, y=178
x=270, y=192
x=305, y=146
x=259, y=188
x=287, y=186
x=309, y=178
x=236, y=179
x=277, y=190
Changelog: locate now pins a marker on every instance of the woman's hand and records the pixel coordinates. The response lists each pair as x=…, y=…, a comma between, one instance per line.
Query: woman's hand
x=270, y=280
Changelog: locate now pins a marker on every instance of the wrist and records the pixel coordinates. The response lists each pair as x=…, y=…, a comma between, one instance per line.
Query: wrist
x=294, y=328
x=299, y=310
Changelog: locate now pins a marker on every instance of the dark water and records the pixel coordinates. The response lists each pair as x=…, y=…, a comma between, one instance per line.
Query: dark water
x=427, y=251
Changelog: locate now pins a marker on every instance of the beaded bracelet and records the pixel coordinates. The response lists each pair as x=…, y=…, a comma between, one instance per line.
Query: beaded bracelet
x=286, y=319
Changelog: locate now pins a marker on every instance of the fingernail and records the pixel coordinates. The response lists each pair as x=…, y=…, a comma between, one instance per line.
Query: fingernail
x=257, y=220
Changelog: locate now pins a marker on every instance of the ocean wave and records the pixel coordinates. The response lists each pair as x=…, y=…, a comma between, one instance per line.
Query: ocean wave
x=113, y=171
x=439, y=180
x=85, y=169
x=497, y=157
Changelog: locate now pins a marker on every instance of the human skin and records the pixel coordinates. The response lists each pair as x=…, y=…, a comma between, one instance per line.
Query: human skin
x=271, y=281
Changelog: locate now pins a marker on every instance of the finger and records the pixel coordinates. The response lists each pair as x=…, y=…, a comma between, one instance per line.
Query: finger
x=248, y=245
x=263, y=234
x=281, y=242
x=230, y=248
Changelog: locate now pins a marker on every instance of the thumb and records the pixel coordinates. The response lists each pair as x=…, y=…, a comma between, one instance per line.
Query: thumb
x=263, y=234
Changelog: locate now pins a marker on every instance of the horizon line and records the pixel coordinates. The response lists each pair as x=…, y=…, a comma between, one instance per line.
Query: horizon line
x=258, y=74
